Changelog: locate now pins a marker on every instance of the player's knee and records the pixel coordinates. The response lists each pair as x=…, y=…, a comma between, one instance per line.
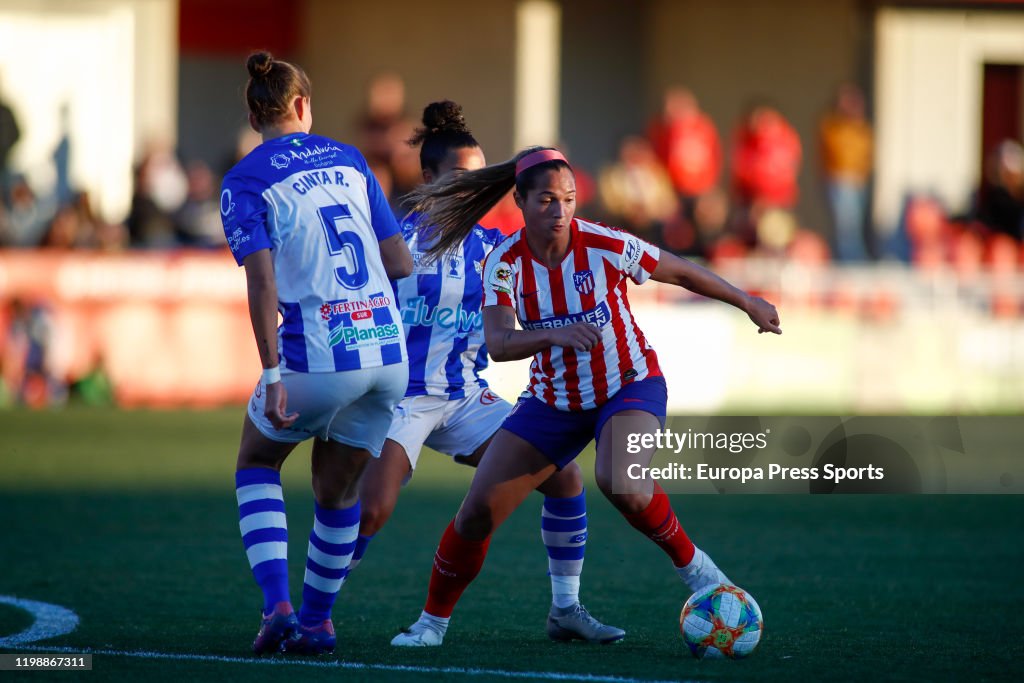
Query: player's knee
x=373, y=515
x=334, y=494
x=474, y=521
x=571, y=480
x=566, y=483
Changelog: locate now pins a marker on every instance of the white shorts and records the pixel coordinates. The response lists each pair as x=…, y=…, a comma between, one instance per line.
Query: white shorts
x=353, y=407
x=453, y=427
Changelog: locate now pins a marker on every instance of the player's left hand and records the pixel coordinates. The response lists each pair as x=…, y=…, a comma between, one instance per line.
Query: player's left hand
x=275, y=407
x=764, y=315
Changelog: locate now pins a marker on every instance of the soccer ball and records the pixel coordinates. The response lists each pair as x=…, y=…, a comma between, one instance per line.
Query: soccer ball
x=721, y=621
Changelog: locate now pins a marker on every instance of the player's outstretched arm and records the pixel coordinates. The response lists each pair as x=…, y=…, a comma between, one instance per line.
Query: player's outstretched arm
x=259, y=278
x=674, y=270
x=505, y=342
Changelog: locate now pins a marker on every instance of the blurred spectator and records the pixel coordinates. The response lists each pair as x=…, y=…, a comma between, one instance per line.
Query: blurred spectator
x=928, y=232
x=384, y=129
x=586, y=186
x=697, y=235
x=637, y=191
x=94, y=388
x=5, y=225
x=846, y=159
x=76, y=226
x=247, y=141
x=776, y=228
x=27, y=216
x=1001, y=201
x=966, y=249
x=160, y=190
x=27, y=356
x=198, y=220
x=686, y=141
x=385, y=109
x=62, y=158
x=766, y=158
x=405, y=169
x=67, y=230
x=9, y=135
x=808, y=248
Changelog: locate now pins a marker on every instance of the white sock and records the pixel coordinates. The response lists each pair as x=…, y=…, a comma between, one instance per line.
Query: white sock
x=565, y=590
x=439, y=624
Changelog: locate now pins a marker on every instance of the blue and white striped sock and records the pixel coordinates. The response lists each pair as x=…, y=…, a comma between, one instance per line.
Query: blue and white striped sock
x=331, y=544
x=563, y=526
x=362, y=542
x=264, y=531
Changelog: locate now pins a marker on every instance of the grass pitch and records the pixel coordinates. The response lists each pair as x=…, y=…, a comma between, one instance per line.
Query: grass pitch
x=129, y=519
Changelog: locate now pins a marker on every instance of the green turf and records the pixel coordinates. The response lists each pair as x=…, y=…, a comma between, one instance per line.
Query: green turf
x=129, y=519
x=13, y=619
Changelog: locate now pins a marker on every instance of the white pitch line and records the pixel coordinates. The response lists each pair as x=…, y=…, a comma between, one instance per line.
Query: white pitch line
x=499, y=673
x=49, y=621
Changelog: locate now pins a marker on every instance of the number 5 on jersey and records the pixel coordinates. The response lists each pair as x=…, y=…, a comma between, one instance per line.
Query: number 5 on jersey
x=354, y=274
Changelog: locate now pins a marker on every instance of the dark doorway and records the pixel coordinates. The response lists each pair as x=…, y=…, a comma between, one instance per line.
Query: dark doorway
x=1000, y=106
x=999, y=203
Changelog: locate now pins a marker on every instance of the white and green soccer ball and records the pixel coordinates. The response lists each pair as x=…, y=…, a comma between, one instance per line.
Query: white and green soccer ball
x=721, y=621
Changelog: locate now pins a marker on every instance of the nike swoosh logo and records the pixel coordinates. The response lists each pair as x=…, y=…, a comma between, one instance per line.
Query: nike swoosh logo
x=632, y=400
x=526, y=294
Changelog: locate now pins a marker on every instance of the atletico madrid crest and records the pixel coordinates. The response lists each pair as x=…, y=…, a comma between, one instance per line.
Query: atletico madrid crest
x=583, y=281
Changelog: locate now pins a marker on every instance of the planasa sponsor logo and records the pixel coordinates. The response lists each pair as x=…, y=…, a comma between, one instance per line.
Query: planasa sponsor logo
x=360, y=336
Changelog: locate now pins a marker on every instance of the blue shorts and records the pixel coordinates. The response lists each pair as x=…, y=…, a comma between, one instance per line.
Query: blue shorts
x=561, y=435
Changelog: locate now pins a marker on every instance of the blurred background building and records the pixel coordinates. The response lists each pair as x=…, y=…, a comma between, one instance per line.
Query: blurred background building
x=860, y=160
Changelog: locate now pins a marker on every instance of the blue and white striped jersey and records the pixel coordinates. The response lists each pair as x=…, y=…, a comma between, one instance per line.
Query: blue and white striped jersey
x=316, y=204
x=440, y=304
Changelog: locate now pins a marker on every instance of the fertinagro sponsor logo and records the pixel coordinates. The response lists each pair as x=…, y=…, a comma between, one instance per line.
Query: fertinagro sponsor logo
x=359, y=310
x=368, y=336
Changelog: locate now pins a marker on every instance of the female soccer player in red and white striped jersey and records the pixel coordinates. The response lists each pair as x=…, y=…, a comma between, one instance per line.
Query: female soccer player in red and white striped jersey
x=565, y=280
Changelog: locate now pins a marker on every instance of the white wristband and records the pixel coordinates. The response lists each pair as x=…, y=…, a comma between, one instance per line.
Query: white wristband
x=272, y=375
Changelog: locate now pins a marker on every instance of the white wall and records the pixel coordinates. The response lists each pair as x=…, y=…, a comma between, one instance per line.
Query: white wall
x=113, y=63
x=928, y=79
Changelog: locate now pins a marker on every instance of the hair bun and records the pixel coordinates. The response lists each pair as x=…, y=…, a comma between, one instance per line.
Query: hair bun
x=260, y=64
x=444, y=117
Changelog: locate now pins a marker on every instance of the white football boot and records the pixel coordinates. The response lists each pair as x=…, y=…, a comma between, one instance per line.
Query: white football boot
x=420, y=634
x=701, y=572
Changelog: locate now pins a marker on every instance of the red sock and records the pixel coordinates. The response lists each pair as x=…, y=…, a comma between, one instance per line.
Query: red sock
x=456, y=563
x=658, y=522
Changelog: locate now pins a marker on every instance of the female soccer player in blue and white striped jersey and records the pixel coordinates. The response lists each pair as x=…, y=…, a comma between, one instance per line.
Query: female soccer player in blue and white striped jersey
x=306, y=218
x=447, y=405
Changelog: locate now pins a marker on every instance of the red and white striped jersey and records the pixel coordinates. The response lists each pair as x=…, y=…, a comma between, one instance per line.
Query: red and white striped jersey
x=588, y=286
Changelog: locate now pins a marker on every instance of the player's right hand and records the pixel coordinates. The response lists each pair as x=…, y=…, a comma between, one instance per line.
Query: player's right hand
x=764, y=315
x=276, y=406
x=580, y=336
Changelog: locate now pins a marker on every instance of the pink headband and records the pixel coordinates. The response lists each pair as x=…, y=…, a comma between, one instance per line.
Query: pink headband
x=539, y=157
